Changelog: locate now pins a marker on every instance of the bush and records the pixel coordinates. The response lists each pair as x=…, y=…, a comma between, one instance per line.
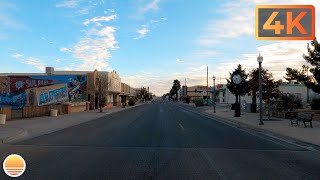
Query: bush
x=198, y=102
x=290, y=101
x=315, y=104
x=132, y=102
x=188, y=100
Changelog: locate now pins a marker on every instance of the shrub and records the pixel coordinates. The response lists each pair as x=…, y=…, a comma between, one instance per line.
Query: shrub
x=315, y=104
x=290, y=101
x=198, y=102
x=132, y=102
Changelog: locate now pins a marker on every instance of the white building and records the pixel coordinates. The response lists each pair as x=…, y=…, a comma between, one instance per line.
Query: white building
x=225, y=96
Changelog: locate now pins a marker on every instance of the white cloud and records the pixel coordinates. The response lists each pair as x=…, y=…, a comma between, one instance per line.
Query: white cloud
x=99, y=19
x=64, y=49
x=277, y=57
x=145, y=6
x=151, y=6
x=68, y=4
x=93, y=50
x=17, y=56
x=179, y=61
x=142, y=32
x=35, y=62
x=85, y=10
x=239, y=19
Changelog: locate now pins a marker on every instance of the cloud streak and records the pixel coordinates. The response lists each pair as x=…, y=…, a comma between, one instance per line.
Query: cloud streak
x=142, y=32
x=68, y=4
x=96, y=20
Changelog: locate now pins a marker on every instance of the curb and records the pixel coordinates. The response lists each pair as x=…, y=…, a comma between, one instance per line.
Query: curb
x=285, y=138
x=271, y=134
x=21, y=133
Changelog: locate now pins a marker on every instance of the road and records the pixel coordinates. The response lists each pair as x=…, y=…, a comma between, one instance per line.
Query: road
x=161, y=140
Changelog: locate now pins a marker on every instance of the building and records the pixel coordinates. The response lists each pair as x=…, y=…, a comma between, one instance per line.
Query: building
x=223, y=95
x=14, y=85
x=17, y=89
x=125, y=93
x=195, y=92
x=111, y=88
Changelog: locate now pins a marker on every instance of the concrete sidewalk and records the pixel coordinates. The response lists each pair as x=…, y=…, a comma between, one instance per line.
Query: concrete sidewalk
x=22, y=129
x=275, y=125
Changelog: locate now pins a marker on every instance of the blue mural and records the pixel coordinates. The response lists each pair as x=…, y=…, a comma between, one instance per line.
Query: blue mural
x=16, y=98
x=53, y=96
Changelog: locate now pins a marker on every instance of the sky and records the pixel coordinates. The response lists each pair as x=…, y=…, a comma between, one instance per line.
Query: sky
x=148, y=42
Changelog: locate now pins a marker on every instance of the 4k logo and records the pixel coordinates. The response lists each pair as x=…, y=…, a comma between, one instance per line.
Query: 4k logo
x=285, y=22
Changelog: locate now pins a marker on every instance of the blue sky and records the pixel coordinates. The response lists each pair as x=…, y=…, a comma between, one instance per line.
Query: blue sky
x=148, y=42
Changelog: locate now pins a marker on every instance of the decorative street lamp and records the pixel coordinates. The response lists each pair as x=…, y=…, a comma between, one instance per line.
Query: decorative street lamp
x=260, y=59
x=214, y=93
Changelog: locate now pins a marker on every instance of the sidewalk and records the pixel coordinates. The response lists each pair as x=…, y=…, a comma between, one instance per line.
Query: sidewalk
x=275, y=125
x=23, y=129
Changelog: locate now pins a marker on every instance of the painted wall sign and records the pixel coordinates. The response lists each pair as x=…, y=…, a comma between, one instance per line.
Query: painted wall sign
x=23, y=83
x=52, y=95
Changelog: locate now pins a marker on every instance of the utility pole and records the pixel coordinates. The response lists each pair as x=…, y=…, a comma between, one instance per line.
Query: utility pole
x=185, y=85
x=207, y=87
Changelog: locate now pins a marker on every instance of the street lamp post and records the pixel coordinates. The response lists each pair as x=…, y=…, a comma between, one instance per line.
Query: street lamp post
x=260, y=59
x=307, y=69
x=214, y=93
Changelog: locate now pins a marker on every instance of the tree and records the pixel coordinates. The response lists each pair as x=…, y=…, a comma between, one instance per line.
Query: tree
x=143, y=93
x=298, y=76
x=240, y=89
x=254, y=86
x=102, y=85
x=313, y=58
x=270, y=89
x=174, y=90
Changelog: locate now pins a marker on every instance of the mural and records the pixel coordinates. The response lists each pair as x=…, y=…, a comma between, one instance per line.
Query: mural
x=22, y=83
x=52, y=95
x=16, y=97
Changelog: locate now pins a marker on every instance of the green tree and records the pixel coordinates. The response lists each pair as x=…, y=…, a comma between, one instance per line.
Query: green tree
x=240, y=89
x=174, y=90
x=143, y=94
x=297, y=76
x=313, y=58
x=254, y=86
x=270, y=89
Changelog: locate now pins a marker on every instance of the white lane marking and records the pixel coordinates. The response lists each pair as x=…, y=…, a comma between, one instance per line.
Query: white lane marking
x=181, y=126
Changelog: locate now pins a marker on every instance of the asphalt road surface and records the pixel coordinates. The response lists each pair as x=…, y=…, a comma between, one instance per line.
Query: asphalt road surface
x=161, y=140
